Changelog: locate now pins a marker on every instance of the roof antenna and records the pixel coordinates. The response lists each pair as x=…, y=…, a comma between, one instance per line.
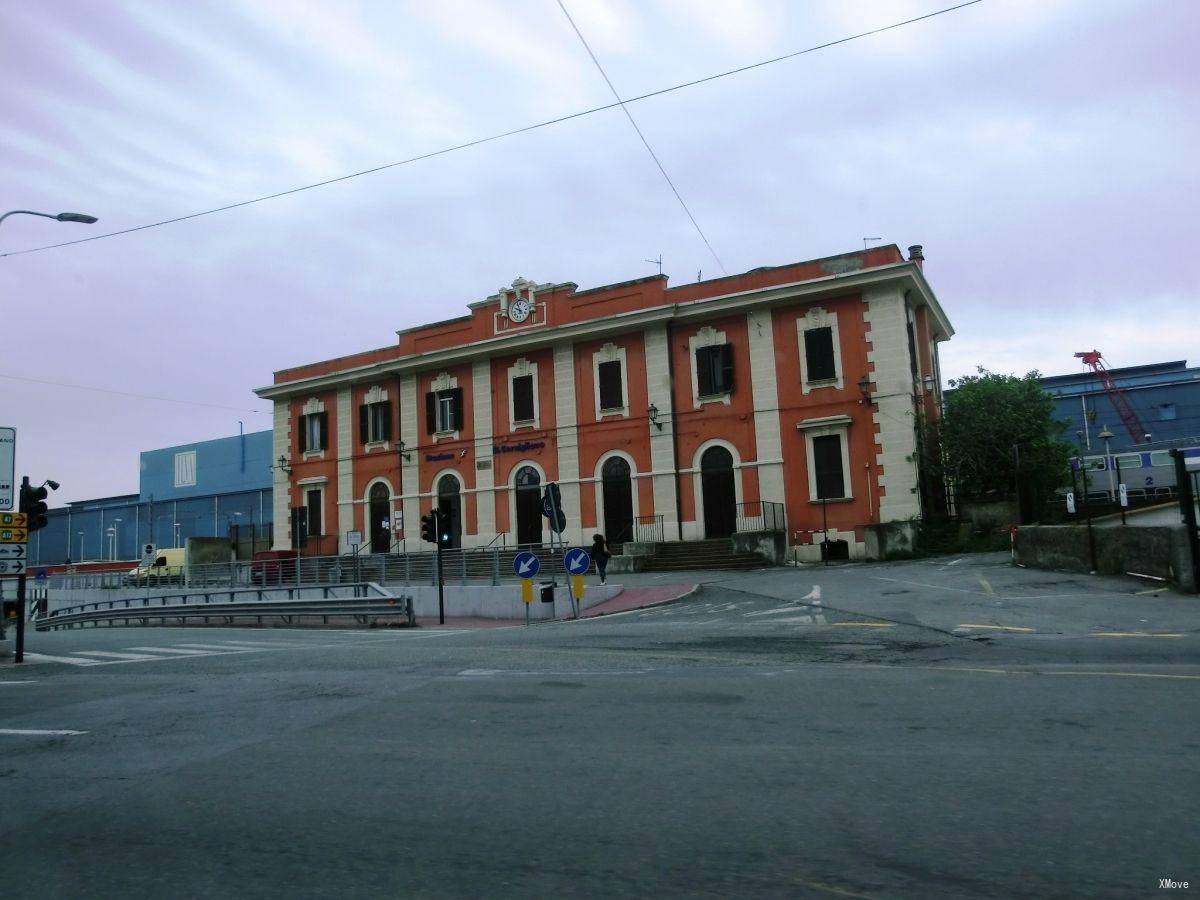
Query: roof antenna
x=869, y=239
x=657, y=262
x=699, y=272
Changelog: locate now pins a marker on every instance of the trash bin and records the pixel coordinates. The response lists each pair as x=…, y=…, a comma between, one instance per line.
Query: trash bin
x=547, y=591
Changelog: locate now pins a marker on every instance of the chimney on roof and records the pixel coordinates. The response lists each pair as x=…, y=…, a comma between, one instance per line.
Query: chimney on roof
x=916, y=253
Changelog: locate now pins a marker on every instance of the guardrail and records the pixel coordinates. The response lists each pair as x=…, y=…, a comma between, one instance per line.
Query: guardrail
x=367, y=600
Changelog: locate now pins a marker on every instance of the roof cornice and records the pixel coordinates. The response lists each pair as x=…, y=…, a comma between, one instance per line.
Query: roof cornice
x=690, y=310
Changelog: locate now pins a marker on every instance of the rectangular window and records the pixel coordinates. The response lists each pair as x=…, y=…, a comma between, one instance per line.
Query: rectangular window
x=1166, y=411
x=827, y=466
x=611, y=395
x=312, y=500
x=375, y=422
x=444, y=411
x=522, y=399
x=714, y=370
x=314, y=431
x=185, y=469
x=818, y=354
x=1128, y=461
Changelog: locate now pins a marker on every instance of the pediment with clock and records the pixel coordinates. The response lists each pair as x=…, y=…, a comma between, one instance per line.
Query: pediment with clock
x=521, y=305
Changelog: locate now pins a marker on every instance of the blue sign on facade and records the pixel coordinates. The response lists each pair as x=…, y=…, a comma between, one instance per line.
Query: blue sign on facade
x=526, y=565
x=576, y=561
x=40, y=577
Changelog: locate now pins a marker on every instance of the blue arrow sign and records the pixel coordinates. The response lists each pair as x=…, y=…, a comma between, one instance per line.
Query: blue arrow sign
x=576, y=561
x=526, y=565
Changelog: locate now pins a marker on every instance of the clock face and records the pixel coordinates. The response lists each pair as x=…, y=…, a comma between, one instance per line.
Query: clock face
x=520, y=310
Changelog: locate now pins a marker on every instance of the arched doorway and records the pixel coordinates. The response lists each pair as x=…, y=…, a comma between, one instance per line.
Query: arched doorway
x=379, y=517
x=528, y=485
x=617, y=485
x=450, y=510
x=717, y=489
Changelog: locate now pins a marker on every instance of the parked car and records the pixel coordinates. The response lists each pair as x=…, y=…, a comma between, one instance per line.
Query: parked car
x=168, y=567
x=273, y=566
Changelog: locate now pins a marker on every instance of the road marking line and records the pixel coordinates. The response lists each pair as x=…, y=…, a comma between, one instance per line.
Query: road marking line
x=69, y=660
x=1167, y=634
x=18, y=682
x=39, y=731
x=219, y=648
x=938, y=587
x=110, y=654
x=1016, y=628
x=953, y=563
x=173, y=650
x=805, y=619
x=813, y=595
x=1038, y=672
x=863, y=624
x=987, y=586
x=770, y=612
x=830, y=889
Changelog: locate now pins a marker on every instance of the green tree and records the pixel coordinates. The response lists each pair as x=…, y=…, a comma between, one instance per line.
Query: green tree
x=986, y=416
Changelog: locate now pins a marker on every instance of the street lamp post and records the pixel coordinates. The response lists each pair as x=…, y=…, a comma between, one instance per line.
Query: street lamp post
x=81, y=218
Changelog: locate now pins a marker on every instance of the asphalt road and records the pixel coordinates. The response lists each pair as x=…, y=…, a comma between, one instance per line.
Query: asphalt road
x=925, y=730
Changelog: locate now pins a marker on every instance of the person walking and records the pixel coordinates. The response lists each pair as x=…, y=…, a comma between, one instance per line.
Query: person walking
x=601, y=555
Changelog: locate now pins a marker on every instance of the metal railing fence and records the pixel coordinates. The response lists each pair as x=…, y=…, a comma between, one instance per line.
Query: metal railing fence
x=760, y=515
x=648, y=529
x=480, y=565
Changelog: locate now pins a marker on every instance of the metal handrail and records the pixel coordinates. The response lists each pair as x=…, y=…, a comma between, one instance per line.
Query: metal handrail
x=760, y=515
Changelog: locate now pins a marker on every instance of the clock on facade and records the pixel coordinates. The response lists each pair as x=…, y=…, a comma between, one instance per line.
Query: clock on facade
x=519, y=310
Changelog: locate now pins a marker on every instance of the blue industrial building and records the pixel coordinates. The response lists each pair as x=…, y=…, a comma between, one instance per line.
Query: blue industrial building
x=1165, y=396
x=211, y=488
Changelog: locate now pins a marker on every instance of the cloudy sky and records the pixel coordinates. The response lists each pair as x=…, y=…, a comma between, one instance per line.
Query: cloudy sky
x=1041, y=150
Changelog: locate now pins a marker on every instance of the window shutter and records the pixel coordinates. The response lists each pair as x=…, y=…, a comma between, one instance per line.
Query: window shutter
x=303, y=429
x=364, y=423
x=726, y=362
x=457, y=403
x=610, y=385
x=704, y=372
x=522, y=388
x=324, y=419
x=431, y=412
x=818, y=352
x=387, y=423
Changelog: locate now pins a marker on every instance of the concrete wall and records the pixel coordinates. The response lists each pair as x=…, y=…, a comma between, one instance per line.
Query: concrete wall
x=889, y=537
x=988, y=515
x=1159, y=551
x=771, y=545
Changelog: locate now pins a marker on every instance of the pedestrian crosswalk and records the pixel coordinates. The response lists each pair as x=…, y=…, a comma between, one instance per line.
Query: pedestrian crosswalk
x=745, y=613
x=143, y=653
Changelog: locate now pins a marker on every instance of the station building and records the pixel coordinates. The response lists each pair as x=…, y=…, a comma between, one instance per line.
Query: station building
x=663, y=413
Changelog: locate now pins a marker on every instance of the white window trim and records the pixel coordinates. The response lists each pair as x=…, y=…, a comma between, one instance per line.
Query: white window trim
x=705, y=337
x=829, y=425
x=610, y=353
x=819, y=317
x=519, y=368
x=444, y=382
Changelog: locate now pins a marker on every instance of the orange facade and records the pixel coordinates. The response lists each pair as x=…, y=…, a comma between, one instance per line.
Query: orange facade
x=662, y=413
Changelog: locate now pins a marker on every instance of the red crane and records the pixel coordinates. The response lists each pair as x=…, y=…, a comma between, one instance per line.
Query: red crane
x=1120, y=402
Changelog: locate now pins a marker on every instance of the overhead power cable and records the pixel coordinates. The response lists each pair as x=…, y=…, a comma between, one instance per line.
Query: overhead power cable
x=505, y=134
x=100, y=390
x=645, y=143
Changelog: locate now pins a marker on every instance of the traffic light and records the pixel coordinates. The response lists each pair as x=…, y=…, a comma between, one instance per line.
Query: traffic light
x=33, y=504
x=429, y=527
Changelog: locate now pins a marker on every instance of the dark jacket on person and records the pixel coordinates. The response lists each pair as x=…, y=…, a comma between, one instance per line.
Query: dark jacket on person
x=600, y=549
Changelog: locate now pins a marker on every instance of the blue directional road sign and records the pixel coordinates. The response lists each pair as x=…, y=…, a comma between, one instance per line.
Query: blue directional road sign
x=40, y=577
x=576, y=561
x=526, y=565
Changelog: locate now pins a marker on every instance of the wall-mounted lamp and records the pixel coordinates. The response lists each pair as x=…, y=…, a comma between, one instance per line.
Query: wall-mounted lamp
x=652, y=412
x=927, y=381
x=405, y=455
x=282, y=465
x=864, y=388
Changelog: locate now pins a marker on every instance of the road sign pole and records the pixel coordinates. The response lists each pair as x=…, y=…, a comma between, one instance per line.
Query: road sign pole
x=20, y=649
x=562, y=545
x=441, y=581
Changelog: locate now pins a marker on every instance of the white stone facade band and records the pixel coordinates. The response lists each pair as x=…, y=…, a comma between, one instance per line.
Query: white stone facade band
x=410, y=484
x=481, y=404
x=895, y=426
x=281, y=437
x=662, y=449
x=765, y=391
x=568, y=438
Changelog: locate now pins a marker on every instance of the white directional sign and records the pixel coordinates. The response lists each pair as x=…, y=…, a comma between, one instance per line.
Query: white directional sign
x=12, y=551
x=8, y=467
x=12, y=566
x=1071, y=502
x=1124, y=494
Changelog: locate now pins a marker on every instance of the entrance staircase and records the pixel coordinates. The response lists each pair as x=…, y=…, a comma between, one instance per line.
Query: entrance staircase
x=715, y=553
